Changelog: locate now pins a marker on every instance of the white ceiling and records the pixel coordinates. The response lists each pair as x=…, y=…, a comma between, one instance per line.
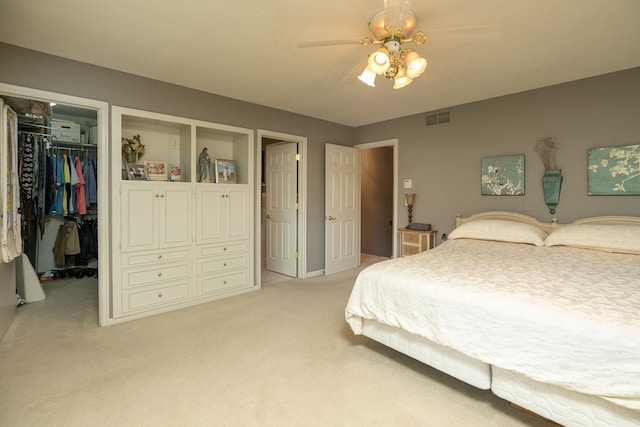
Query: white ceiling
x=248, y=49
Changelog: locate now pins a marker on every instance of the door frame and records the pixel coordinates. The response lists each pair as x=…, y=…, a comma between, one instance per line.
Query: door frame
x=104, y=241
x=393, y=143
x=301, y=230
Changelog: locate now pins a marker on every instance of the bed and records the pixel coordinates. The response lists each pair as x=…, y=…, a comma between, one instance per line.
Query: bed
x=545, y=315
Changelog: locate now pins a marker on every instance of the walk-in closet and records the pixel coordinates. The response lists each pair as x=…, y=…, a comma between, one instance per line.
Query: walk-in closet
x=56, y=174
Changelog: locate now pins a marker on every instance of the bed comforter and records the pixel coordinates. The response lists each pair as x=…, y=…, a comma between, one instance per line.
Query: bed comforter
x=562, y=316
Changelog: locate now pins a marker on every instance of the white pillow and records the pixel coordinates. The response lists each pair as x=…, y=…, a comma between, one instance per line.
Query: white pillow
x=500, y=230
x=608, y=238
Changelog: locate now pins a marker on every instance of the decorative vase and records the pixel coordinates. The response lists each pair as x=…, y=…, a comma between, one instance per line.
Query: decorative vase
x=551, y=186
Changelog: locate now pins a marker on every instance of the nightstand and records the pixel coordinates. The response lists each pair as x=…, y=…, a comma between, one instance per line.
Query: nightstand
x=415, y=241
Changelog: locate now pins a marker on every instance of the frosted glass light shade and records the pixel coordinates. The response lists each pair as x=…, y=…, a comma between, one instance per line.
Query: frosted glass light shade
x=401, y=80
x=368, y=77
x=379, y=61
x=415, y=65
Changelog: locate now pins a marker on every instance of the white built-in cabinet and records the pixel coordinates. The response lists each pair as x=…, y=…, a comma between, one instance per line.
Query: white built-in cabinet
x=180, y=243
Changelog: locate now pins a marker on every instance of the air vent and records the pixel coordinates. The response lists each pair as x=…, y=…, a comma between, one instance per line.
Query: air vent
x=438, y=118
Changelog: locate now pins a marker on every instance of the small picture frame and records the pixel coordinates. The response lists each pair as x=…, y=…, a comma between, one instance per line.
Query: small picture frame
x=136, y=172
x=225, y=171
x=175, y=173
x=157, y=171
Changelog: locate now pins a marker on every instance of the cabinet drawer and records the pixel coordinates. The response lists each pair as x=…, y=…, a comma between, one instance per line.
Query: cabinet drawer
x=410, y=249
x=133, y=277
x=410, y=238
x=230, y=247
x=135, y=300
x=148, y=257
x=213, y=284
x=214, y=265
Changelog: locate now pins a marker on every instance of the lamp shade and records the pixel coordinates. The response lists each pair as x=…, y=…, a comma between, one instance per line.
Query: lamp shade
x=367, y=77
x=415, y=65
x=401, y=80
x=379, y=61
x=409, y=198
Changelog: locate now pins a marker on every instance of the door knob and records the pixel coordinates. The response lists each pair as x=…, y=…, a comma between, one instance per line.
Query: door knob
x=331, y=218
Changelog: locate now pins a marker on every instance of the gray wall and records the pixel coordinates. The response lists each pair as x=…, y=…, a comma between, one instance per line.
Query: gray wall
x=444, y=160
x=376, y=189
x=46, y=72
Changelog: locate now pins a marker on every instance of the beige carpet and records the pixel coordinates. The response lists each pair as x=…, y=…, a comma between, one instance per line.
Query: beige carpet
x=281, y=356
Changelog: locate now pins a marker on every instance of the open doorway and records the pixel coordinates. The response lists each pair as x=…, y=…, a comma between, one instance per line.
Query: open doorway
x=282, y=202
x=378, y=195
x=69, y=128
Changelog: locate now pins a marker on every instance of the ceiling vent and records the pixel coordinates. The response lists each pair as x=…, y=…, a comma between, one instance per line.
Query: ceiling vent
x=438, y=118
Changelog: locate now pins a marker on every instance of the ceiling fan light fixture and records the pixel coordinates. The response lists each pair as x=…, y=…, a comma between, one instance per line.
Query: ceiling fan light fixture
x=415, y=64
x=379, y=61
x=402, y=79
x=378, y=30
x=368, y=77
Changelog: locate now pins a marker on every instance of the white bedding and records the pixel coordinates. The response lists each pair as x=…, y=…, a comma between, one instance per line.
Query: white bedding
x=562, y=316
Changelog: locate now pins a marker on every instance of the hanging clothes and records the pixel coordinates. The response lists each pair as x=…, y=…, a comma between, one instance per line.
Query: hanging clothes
x=81, y=200
x=66, y=173
x=91, y=178
x=67, y=242
x=59, y=176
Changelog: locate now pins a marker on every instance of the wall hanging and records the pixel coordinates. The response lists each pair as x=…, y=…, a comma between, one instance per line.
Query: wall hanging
x=503, y=176
x=614, y=171
x=552, y=178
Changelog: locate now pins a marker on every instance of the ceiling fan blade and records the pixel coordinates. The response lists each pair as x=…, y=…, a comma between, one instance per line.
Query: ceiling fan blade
x=324, y=43
x=395, y=12
x=352, y=76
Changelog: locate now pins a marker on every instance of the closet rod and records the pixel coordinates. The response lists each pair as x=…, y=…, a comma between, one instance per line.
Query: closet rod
x=70, y=149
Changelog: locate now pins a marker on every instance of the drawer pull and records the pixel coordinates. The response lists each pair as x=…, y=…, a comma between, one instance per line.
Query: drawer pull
x=225, y=249
x=159, y=274
x=224, y=283
x=225, y=264
x=160, y=295
x=159, y=256
x=157, y=195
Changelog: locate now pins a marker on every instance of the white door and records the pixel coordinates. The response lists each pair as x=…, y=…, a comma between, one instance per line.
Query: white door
x=342, y=209
x=281, y=208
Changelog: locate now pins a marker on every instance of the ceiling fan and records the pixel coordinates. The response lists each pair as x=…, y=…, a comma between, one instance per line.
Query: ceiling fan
x=391, y=28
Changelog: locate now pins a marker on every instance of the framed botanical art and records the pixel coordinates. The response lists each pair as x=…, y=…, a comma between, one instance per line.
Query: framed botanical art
x=503, y=176
x=136, y=172
x=225, y=171
x=613, y=171
x=175, y=173
x=157, y=171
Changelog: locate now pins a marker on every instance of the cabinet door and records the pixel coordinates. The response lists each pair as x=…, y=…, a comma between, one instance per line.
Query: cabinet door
x=175, y=215
x=209, y=221
x=139, y=217
x=237, y=212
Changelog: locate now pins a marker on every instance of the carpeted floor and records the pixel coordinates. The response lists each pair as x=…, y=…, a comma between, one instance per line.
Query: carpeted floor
x=281, y=356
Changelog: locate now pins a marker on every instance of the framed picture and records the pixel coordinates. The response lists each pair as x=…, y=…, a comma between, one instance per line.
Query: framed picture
x=225, y=171
x=503, y=176
x=136, y=172
x=157, y=171
x=175, y=173
x=613, y=171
